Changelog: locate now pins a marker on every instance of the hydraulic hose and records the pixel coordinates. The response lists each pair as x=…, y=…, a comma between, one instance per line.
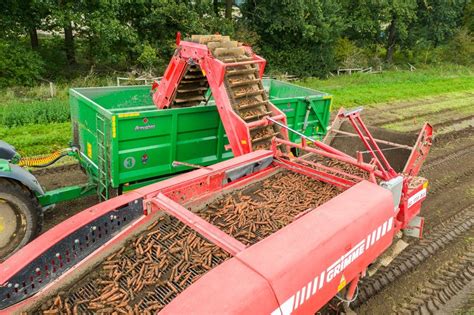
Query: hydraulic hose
x=44, y=161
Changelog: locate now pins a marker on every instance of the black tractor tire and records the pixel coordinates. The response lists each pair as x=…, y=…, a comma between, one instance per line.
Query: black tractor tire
x=21, y=217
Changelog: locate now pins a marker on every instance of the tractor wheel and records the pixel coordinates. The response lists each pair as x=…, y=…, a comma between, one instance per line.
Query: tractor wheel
x=21, y=217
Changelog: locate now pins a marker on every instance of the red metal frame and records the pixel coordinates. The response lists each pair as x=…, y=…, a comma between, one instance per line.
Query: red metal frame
x=343, y=158
x=419, y=152
x=378, y=167
x=209, y=231
x=259, y=274
x=387, y=171
x=237, y=130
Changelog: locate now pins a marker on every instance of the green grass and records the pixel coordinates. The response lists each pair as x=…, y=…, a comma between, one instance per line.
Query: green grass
x=33, y=122
x=388, y=86
x=37, y=139
x=461, y=104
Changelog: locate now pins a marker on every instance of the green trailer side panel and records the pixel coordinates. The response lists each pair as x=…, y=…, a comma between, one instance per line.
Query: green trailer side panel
x=121, y=129
x=149, y=142
x=306, y=110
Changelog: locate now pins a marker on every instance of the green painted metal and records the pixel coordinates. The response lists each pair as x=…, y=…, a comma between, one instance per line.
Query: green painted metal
x=125, y=141
x=307, y=110
x=5, y=166
x=66, y=193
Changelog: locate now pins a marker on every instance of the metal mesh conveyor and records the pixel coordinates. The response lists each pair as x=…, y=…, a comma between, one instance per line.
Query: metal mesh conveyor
x=145, y=275
x=242, y=81
x=155, y=266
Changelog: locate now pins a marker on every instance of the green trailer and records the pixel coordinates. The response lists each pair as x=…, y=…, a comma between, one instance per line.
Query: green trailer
x=122, y=141
x=125, y=142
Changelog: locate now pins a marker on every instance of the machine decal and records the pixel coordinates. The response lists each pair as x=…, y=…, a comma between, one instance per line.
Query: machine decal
x=149, y=127
x=332, y=271
x=129, y=162
x=345, y=261
x=144, y=158
x=416, y=197
x=127, y=115
x=342, y=283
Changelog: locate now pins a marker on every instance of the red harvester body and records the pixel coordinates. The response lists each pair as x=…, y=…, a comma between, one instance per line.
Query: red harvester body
x=231, y=79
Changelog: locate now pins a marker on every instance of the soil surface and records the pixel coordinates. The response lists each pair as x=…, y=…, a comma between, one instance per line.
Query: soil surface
x=442, y=281
x=62, y=176
x=438, y=282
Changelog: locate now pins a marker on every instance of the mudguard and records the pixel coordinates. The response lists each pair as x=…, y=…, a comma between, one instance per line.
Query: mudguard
x=15, y=172
x=7, y=151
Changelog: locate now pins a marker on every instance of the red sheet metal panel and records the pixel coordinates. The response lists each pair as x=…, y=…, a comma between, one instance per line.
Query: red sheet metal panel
x=313, y=258
x=305, y=263
x=28, y=253
x=230, y=288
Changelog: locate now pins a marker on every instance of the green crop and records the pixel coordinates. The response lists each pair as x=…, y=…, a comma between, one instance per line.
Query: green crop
x=23, y=113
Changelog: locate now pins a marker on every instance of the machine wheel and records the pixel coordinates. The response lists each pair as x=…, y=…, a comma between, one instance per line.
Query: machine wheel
x=21, y=217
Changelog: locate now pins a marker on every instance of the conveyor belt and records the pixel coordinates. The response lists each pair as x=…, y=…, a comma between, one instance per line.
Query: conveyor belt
x=145, y=275
x=243, y=83
x=259, y=210
x=192, y=88
x=164, y=260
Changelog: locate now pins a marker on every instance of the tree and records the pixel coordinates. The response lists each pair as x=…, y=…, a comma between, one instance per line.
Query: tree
x=399, y=14
x=468, y=16
x=228, y=9
x=64, y=15
x=215, y=5
x=296, y=36
x=438, y=20
x=364, y=21
x=23, y=17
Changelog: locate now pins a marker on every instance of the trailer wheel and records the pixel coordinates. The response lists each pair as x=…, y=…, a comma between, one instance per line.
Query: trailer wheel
x=21, y=217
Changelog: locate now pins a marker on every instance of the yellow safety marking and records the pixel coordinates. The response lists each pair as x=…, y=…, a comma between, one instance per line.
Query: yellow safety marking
x=342, y=284
x=89, y=150
x=114, y=126
x=243, y=141
x=203, y=72
x=125, y=115
x=2, y=224
x=328, y=97
x=425, y=185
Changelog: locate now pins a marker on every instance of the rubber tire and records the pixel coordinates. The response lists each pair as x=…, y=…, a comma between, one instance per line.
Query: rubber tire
x=28, y=205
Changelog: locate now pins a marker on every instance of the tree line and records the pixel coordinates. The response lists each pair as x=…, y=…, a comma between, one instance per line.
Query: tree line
x=57, y=39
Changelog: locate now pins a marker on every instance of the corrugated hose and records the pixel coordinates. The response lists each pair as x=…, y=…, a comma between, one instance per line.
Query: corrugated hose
x=45, y=160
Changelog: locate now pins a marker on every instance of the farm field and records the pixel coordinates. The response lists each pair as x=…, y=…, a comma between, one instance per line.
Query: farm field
x=432, y=274
x=44, y=124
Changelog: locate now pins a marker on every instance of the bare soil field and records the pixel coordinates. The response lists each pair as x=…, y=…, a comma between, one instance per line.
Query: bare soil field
x=434, y=275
